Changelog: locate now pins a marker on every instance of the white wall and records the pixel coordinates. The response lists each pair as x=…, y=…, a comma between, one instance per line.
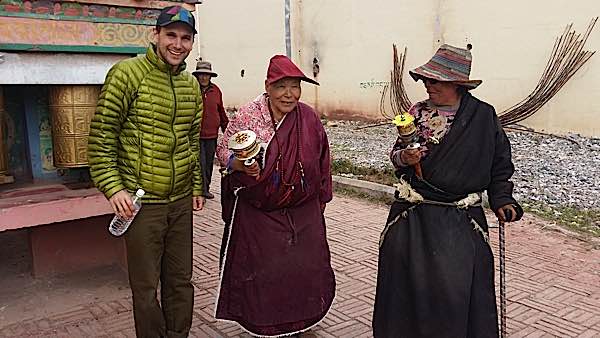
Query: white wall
x=56, y=68
x=353, y=39
x=511, y=46
x=236, y=35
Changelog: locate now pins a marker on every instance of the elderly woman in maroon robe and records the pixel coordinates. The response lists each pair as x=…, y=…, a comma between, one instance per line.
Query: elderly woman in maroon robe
x=276, y=276
x=436, y=268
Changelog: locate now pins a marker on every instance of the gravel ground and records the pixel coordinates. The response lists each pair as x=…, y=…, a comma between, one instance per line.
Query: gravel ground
x=553, y=171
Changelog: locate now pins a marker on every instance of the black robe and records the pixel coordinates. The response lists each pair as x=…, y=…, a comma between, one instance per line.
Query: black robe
x=436, y=273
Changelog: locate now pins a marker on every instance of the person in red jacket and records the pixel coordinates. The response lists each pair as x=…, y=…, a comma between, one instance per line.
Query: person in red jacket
x=214, y=117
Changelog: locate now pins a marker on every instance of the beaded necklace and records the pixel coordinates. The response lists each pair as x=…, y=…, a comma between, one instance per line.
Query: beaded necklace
x=279, y=167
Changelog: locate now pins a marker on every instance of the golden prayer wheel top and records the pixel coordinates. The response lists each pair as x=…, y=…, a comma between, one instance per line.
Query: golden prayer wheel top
x=404, y=122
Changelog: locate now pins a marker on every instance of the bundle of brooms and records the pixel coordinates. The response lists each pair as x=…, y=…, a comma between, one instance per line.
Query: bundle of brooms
x=566, y=59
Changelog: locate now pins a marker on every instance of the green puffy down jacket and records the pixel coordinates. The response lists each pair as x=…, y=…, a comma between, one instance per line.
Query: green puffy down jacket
x=145, y=133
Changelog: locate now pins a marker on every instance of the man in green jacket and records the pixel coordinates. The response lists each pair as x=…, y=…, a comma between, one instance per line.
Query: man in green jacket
x=145, y=135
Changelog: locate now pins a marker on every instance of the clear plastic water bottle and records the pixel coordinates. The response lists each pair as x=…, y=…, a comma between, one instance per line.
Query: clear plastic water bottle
x=119, y=224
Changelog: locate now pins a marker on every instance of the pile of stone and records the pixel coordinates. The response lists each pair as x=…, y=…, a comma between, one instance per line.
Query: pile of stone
x=550, y=170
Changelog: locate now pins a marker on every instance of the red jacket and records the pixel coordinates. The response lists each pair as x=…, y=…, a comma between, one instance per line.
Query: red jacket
x=214, y=115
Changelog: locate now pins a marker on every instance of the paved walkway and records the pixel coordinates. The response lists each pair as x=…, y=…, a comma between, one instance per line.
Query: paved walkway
x=553, y=283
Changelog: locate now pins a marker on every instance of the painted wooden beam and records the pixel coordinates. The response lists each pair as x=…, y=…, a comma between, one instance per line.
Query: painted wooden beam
x=72, y=36
x=189, y=5
x=47, y=16
x=73, y=49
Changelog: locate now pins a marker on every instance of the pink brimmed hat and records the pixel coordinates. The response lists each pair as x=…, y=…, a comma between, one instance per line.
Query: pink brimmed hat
x=281, y=66
x=449, y=64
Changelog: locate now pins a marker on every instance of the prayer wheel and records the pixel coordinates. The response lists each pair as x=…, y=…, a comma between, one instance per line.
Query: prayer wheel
x=71, y=111
x=3, y=148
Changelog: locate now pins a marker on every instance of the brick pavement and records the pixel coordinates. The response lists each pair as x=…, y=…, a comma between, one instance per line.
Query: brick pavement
x=553, y=282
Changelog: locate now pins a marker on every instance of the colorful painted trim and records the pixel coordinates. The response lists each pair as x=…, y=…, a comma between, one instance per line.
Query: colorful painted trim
x=149, y=22
x=134, y=50
x=44, y=9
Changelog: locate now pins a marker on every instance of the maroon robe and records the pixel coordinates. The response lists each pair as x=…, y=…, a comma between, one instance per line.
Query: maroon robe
x=277, y=277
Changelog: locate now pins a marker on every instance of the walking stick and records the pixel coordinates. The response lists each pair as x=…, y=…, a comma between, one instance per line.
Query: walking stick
x=502, y=240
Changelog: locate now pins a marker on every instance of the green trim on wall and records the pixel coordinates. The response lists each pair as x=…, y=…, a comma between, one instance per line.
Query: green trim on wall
x=77, y=18
x=73, y=48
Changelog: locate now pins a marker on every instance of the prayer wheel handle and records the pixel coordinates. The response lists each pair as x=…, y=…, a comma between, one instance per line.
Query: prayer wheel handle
x=418, y=170
x=417, y=166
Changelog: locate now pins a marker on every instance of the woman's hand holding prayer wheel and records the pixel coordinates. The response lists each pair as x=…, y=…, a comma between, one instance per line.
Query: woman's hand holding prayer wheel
x=410, y=157
x=251, y=170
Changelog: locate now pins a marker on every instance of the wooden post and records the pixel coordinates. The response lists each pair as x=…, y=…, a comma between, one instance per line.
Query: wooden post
x=4, y=177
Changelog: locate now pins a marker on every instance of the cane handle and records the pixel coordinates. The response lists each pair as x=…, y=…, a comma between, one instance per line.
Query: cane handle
x=507, y=215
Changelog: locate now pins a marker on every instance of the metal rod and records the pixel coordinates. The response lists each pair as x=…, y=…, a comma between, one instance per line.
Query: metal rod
x=288, y=31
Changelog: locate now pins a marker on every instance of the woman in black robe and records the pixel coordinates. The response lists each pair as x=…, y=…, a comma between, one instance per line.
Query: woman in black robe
x=436, y=268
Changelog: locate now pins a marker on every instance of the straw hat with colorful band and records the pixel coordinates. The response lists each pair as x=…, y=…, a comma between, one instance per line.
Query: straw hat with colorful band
x=204, y=67
x=174, y=14
x=449, y=64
